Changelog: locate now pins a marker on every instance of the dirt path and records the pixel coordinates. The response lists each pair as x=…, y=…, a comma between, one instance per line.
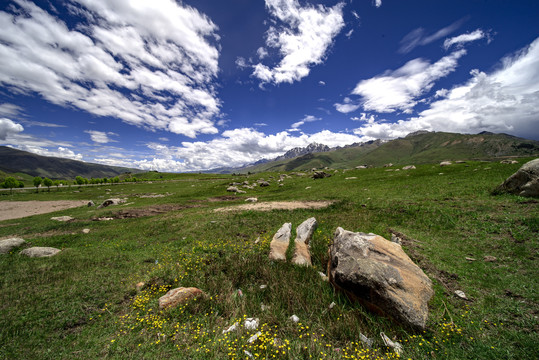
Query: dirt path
x=278, y=205
x=19, y=209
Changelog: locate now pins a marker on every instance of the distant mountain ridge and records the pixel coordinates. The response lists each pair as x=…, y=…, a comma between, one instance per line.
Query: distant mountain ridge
x=298, y=151
x=18, y=161
x=415, y=148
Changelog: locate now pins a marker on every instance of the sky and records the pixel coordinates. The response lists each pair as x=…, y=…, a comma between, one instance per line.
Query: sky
x=193, y=85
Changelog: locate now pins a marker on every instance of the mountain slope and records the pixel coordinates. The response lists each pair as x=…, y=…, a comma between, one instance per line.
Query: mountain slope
x=416, y=148
x=17, y=161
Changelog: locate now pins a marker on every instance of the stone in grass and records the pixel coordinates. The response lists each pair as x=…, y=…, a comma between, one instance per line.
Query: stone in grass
x=178, y=296
x=380, y=275
x=110, y=202
x=280, y=242
x=9, y=244
x=525, y=182
x=39, y=251
x=304, y=233
x=61, y=218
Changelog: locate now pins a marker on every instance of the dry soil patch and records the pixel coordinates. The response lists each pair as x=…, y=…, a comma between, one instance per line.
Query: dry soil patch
x=19, y=209
x=278, y=205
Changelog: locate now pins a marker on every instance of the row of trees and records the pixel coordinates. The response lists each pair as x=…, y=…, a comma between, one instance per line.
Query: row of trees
x=10, y=182
x=48, y=183
x=79, y=180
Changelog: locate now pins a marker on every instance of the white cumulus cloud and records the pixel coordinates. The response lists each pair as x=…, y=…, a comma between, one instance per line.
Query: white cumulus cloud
x=233, y=149
x=8, y=127
x=506, y=100
x=149, y=63
x=399, y=89
x=302, y=39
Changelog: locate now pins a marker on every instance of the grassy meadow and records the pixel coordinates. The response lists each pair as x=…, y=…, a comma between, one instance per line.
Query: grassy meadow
x=83, y=303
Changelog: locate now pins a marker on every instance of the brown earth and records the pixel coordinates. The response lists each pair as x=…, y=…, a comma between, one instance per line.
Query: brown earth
x=19, y=209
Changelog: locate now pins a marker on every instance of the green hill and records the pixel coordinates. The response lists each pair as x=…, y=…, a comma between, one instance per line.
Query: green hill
x=17, y=161
x=418, y=148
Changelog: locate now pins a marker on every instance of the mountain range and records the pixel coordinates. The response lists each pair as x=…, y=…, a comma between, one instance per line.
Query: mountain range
x=416, y=148
x=17, y=161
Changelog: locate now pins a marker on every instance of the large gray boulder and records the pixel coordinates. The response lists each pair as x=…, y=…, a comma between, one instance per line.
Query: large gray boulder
x=279, y=243
x=40, y=251
x=378, y=273
x=525, y=182
x=304, y=232
x=7, y=245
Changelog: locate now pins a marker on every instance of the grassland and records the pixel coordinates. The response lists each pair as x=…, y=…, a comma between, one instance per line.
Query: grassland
x=82, y=303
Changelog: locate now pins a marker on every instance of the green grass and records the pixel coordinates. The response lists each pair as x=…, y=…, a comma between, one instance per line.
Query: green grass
x=83, y=302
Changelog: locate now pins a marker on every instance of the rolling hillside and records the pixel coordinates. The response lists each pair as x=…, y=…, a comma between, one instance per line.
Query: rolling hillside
x=17, y=161
x=416, y=148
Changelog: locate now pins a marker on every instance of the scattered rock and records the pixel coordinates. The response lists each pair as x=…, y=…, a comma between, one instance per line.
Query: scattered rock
x=320, y=175
x=294, y=318
x=409, y=167
x=489, y=258
x=62, y=218
x=232, y=189
x=380, y=275
x=509, y=162
x=9, y=244
x=104, y=219
x=365, y=340
x=251, y=323
x=233, y=327
x=109, y=202
x=361, y=167
x=461, y=294
x=280, y=242
x=303, y=235
x=525, y=182
x=460, y=162
x=91, y=203
x=470, y=259
x=253, y=338
x=178, y=296
x=241, y=192
x=251, y=199
x=397, y=347
x=395, y=239
x=139, y=285
x=85, y=231
x=332, y=305
x=307, y=188
x=264, y=183
x=388, y=165
x=39, y=251
x=446, y=163
x=351, y=178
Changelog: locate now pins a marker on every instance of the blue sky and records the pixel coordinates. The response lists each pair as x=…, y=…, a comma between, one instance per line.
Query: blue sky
x=199, y=84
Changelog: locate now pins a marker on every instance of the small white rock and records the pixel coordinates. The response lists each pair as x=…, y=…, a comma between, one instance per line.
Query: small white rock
x=233, y=327
x=251, y=323
x=85, y=231
x=294, y=318
x=461, y=294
